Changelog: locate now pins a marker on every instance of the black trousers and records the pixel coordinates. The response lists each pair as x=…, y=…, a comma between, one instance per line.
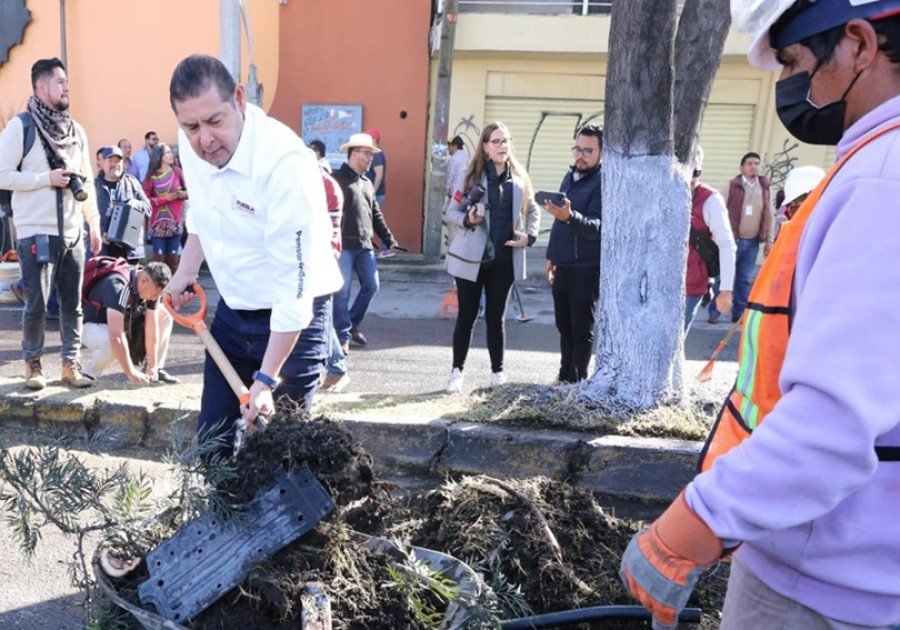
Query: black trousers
x=496, y=282
x=575, y=291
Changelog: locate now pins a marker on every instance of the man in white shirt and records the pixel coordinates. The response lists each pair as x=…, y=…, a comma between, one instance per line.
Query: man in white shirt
x=709, y=218
x=259, y=219
x=456, y=174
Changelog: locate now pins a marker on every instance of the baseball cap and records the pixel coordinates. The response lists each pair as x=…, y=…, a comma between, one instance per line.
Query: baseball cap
x=110, y=151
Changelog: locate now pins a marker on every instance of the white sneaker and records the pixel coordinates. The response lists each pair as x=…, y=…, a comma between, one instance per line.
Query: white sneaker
x=497, y=378
x=455, y=383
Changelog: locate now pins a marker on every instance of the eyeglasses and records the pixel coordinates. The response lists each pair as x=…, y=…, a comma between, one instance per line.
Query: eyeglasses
x=367, y=155
x=500, y=142
x=585, y=151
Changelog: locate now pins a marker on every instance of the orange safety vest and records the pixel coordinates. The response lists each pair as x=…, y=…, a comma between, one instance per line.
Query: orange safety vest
x=765, y=331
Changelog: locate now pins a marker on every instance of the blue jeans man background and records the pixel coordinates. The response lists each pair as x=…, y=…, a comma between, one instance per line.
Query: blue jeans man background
x=744, y=268
x=347, y=318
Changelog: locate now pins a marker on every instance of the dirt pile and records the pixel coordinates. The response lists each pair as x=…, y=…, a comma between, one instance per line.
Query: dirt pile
x=552, y=540
x=289, y=442
x=357, y=581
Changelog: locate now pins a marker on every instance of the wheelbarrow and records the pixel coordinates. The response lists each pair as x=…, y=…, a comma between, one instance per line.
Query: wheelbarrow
x=319, y=618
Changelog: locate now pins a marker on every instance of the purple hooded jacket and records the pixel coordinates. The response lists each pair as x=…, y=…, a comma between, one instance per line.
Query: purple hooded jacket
x=818, y=514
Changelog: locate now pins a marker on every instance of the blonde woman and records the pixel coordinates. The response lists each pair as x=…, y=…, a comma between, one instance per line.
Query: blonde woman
x=488, y=250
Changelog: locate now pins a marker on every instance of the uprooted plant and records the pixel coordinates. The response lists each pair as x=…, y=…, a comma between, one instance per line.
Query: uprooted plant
x=49, y=486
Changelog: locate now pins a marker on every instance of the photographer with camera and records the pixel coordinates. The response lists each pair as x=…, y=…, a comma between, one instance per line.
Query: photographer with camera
x=49, y=179
x=496, y=219
x=116, y=188
x=573, y=255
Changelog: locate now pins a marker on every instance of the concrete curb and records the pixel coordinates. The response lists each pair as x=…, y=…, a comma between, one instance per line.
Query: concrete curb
x=644, y=471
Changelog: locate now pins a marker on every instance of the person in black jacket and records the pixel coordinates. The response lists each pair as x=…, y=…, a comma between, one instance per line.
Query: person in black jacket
x=573, y=255
x=114, y=186
x=361, y=220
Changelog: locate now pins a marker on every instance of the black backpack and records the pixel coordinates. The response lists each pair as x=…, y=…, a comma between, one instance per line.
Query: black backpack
x=702, y=241
x=27, y=142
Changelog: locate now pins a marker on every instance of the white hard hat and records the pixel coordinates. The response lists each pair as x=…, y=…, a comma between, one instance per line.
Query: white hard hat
x=811, y=17
x=801, y=181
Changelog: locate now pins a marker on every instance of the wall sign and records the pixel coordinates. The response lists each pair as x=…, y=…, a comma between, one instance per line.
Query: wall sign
x=333, y=125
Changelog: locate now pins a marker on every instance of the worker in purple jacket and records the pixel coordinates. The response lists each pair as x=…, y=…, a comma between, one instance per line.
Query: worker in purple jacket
x=810, y=497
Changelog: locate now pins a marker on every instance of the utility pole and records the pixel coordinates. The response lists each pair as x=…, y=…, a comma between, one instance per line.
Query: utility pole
x=230, y=37
x=439, y=124
x=63, y=47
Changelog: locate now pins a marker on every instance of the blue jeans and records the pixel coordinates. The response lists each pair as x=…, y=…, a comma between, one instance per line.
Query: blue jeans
x=243, y=337
x=744, y=267
x=65, y=271
x=336, y=364
x=364, y=264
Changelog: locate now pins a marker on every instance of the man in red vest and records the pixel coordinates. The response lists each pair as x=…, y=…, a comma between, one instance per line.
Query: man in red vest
x=801, y=474
x=749, y=203
x=709, y=220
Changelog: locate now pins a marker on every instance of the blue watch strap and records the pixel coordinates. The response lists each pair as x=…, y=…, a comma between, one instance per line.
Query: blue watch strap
x=265, y=379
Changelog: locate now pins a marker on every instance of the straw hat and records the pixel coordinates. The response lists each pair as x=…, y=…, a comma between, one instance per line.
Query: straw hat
x=360, y=141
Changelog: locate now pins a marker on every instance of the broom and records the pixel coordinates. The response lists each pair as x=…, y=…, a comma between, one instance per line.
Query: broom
x=705, y=374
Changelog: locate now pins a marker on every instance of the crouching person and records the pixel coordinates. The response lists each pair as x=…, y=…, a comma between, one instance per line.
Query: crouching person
x=123, y=321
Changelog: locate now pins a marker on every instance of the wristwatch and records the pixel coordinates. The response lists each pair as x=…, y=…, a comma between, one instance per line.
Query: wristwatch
x=265, y=379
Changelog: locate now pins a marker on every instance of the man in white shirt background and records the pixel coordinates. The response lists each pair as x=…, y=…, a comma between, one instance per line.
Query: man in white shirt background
x=259, y=219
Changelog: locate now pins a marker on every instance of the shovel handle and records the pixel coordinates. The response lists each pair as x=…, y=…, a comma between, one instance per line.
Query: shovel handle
x=237, y=385
x=195, y=322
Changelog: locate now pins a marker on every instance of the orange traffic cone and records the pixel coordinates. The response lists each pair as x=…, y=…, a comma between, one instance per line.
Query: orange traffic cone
x=449, y=306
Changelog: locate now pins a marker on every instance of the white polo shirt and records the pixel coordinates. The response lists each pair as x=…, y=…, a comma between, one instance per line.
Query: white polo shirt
x=263, y=222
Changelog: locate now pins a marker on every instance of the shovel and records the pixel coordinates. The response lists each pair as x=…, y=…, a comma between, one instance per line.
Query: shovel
x=195, y=321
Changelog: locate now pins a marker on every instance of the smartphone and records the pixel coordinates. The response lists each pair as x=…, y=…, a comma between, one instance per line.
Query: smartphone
x=42, y=248
x=556, y=198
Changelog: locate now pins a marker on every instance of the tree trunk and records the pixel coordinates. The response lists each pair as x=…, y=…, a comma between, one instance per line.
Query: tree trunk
x=699, y=43
x=646, y=200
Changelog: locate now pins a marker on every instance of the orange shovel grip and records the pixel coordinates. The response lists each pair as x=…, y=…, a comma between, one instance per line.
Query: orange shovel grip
x=194, y=321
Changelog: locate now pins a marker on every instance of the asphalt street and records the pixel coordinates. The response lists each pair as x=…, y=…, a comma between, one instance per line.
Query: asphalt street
x=408, y=353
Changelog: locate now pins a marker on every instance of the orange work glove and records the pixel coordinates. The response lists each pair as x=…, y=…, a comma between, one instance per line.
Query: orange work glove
x=662, y=564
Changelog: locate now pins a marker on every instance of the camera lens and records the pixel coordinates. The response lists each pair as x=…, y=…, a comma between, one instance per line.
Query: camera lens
x=77, y=187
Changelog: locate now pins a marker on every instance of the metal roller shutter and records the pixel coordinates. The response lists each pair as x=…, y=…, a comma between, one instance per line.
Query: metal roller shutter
x=725, y=138
x=543, y=131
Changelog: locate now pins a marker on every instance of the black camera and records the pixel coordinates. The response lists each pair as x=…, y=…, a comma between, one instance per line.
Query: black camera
x=76, y=185
x=472, y=196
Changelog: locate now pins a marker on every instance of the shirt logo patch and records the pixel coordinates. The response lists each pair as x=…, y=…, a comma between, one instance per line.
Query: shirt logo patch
x=243, y=207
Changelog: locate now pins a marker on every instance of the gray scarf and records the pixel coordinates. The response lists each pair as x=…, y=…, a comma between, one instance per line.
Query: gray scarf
x=57, y=131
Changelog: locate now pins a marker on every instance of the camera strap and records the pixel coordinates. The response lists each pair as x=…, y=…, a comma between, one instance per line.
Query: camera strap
x=53, y=161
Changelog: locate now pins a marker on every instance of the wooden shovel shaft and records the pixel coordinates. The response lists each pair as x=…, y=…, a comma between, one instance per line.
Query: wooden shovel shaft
x=237, y=385
x=706, y=373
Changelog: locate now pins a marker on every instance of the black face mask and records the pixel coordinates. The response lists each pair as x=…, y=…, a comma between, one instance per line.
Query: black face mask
x=805, y=121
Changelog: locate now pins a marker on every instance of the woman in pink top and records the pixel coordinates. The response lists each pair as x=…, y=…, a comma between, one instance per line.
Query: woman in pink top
x=165, y=188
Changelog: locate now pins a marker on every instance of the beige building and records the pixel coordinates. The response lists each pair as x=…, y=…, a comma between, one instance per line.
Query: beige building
x=540, y=67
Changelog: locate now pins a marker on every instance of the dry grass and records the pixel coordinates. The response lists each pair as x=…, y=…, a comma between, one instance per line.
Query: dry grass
x=533, y=406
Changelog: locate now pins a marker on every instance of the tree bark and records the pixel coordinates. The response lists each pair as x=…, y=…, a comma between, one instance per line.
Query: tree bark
x=639, y=82
x=699, y=44
x=646, y=195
